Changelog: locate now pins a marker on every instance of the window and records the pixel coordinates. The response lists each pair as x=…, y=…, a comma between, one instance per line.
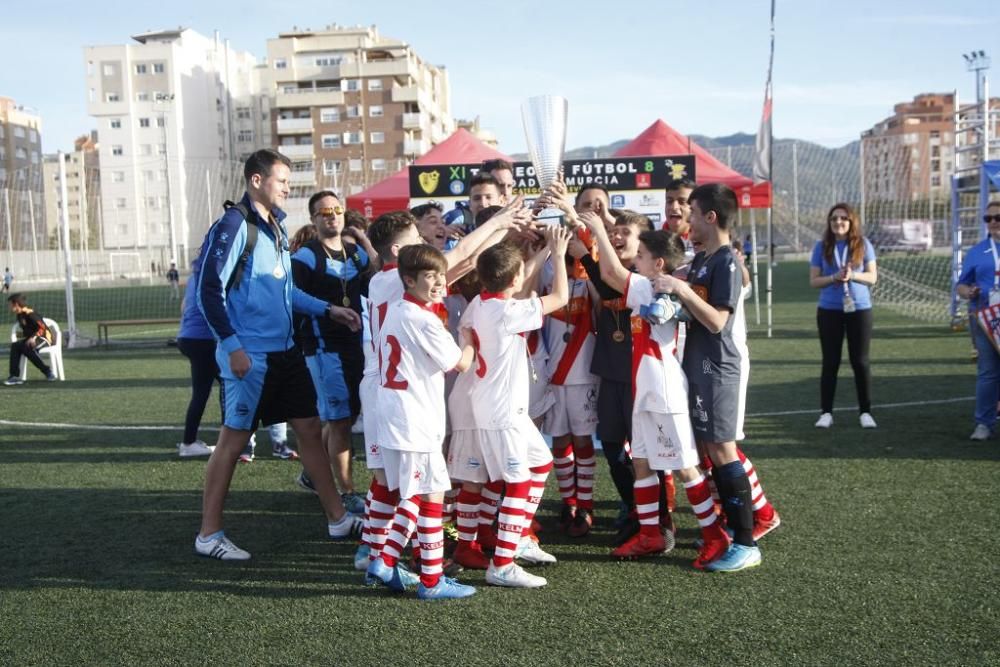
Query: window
x=33, y=136
x=159, y=68
x=351, y=85
x=145, y=149
x=375, y=111
x=303, y=166
x=115, y=123
x=243, y=112
x=328, y=61
x=143, y=122
x=378, y=137
x=118, y=177
x=161, y=121
x=140, y=69
x=935, y=151
x=935, y=181
x=331, y=141
x=162, y=175
x=352, y=138
x=331, y=167
x=935, y=165
x=148, y=175
x=329, y=115
x=19, y=132
x=117, y=150
x=142, y=96
x=122, y=230
x=355, y=164
x=34, y=157
x=378, y=164
x=280, y=63
x=20, y=153
x=121, y=202
x=90, y=68
x=91, y=95
x=112, y=97
x=354, y=111
x=245, y=136
x=161, y=149
x=374, y=84
x=108, y=70
x=152, y=202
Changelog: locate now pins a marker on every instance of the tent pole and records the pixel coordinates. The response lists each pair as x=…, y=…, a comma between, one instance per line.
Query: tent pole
x=770, y=268
x=755, y=254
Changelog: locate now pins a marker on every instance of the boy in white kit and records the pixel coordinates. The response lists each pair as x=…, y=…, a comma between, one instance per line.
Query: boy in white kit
x=662, y=437
x=415, y=350
x=510, y=448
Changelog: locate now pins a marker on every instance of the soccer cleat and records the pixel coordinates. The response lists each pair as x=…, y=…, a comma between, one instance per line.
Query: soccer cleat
x=709, y=552
x=361, y=557
x=566, y=516
x=446, y=589
x=513, y=575
x=762, y=528
x=13, y=380
x=529, y=551
x=640, y=545
x=825, y=420
x=220, y=548
x=349, y=525
x=667, y=524
x=867, y=421
x=626, y=532
x=737, y=557
x=247, y=455
x=982, y=432
x=582, y=523
x=353, y=503
x=470, y=555
x=281, y=450
x=51, y=377
x=305, y=483
x=196, y=448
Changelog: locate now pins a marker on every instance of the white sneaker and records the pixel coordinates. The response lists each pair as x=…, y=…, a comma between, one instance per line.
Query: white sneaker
x=982, y=432
x=513, y=576
x=359, y=425
x=196, y=448
x=220, y=548
x=867, y=421
x=529, y=551
x=350, y=525
x=825, y=420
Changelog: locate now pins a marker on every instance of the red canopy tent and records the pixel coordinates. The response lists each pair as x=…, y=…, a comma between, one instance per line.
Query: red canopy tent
x=393, y=194
x=661, y=139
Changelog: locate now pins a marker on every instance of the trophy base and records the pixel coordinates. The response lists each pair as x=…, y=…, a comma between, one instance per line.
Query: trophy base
x=550, y=216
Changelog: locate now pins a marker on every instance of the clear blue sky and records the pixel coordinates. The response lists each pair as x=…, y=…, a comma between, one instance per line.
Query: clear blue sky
x=701, y=66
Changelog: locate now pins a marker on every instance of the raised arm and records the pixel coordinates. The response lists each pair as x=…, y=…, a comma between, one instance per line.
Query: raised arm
x=558, y=238
x=612, y=272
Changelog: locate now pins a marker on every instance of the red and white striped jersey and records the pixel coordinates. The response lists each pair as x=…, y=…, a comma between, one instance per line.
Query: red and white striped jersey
x=569, y=336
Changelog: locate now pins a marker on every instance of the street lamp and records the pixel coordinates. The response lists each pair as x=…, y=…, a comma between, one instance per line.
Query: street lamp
x=977, y=61
x=167, y=99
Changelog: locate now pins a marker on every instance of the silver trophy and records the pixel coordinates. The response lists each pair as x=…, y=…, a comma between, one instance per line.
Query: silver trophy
x=544, y=119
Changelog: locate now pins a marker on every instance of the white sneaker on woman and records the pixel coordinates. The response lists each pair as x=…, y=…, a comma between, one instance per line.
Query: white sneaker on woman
x=825, y=420
x=867, y=421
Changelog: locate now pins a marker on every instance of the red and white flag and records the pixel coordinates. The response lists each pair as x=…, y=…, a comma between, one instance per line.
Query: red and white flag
x=762, y=149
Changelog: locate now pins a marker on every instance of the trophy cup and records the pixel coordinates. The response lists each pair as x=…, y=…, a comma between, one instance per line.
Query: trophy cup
x=544, y=119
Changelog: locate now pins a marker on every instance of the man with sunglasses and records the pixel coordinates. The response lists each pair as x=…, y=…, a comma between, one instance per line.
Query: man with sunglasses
x=332, y=267
x=980, y=284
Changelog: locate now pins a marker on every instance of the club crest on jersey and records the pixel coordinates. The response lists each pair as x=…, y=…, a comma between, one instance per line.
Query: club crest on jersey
x=417, y=475
x=701, y=272
x=373, y=449
x=706, y=366
x=472, y=464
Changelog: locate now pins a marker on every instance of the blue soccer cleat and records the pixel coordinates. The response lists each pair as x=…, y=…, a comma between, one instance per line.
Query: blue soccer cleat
x=397, y=578
x=361, y=559
x=737, y=557
x=446, y=589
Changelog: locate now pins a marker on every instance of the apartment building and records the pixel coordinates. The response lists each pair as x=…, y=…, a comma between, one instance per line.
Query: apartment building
x=351, y=107
x=176, y=113
x=911, y=154
x=83, y=194
x=22, y=222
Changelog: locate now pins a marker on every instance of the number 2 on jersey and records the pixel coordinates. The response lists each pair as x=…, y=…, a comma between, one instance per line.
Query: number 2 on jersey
x=392, y=379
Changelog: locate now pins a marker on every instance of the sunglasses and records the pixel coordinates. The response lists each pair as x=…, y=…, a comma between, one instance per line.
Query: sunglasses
x=991, y=218
x=329, y=212
x=835, y=218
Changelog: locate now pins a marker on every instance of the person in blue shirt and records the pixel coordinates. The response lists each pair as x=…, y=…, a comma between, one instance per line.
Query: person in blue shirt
x=843, y=269
x=264, y=374
x=979, y=282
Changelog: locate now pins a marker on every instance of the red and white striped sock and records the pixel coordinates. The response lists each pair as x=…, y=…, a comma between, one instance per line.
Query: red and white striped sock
x=535, y=490
x=707, y=467
x=762, y=509
x=490, y=494
x=403, y=526
x=431, y=538
x=565, y=473
x=467, y=520
x=365, y=529
x=647, y=503
x=381, y=510
x=700, y=496
x=585, y=465
x=510, y=522
x=449, y=502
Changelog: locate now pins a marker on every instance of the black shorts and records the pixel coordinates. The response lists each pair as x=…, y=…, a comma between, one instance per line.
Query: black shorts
x=614, y=411
x=714, y=410
x=277, y=388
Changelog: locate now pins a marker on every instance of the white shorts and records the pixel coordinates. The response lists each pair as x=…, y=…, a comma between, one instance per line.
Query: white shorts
x=415, y=473
x=449, y=384
x=666, y=441
x=511, y=453
x=574, y=411
x=465, y=457
x=368, y=393
x=540, y=397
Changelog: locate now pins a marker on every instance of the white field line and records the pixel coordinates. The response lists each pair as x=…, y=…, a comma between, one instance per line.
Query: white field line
x=783, y=413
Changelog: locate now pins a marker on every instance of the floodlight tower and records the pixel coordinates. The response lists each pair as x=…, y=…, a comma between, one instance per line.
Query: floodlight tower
x=978, y=62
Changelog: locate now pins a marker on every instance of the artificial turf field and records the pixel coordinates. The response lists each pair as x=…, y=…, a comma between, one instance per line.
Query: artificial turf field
x=886, y=553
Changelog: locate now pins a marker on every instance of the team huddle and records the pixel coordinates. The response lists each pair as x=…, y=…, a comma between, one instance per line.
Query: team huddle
x=477, y=339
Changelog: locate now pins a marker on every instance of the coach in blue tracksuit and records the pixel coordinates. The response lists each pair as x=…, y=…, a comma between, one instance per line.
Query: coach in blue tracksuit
x=248, y=303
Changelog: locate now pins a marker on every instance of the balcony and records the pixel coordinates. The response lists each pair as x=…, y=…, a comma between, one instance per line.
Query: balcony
x=415, y=146
x=303, y=177
x=413, y=121
x=295, y=126
x=297, y=151
x=405, y=93
x=400, y=67
x=308, y=97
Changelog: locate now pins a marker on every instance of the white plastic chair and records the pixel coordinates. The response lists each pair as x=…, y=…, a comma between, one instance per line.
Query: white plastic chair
x=54, y=351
